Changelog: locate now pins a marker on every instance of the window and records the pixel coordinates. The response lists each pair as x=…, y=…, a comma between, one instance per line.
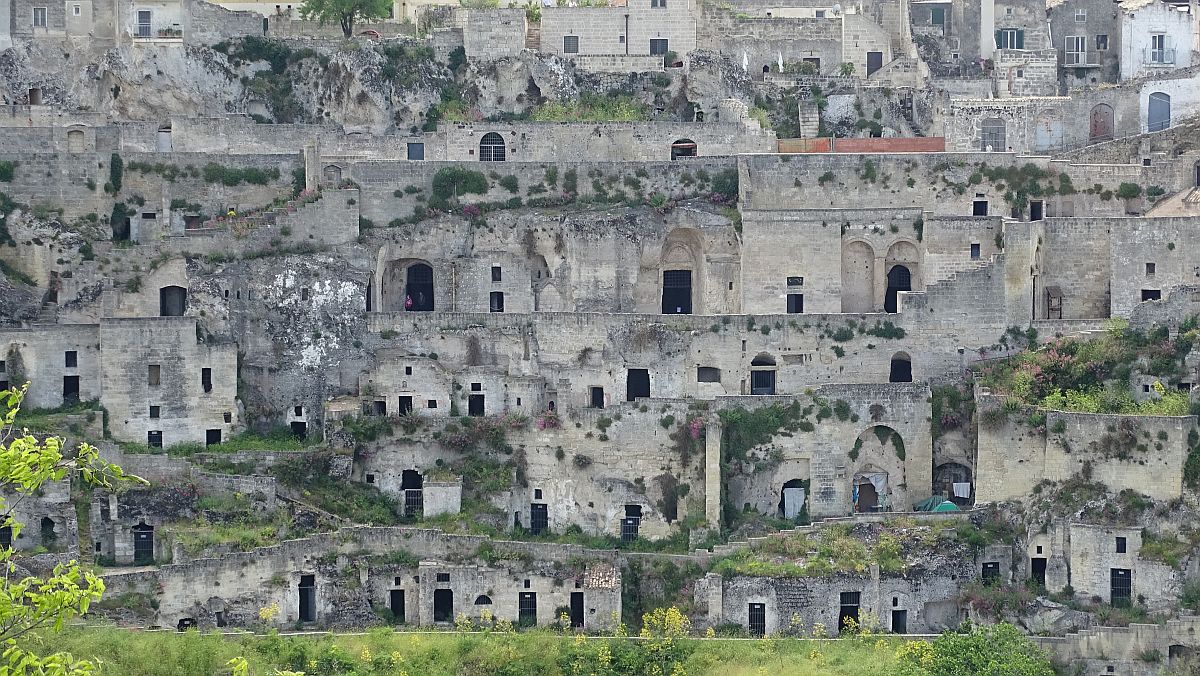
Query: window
x=795, y=303
x=991, y=572
x=443, y=577
x=1080, y=15
x=155, y=412
x=937, y=16
x=979, y=208
x=820, y=14
x=1076, y=50
x=1010, y=38
x=206, y=379
x=795, y=281
x=1151, y=294
x=154, y=439
x=1101, y=43
x=143, y=23
x=491, y=148
x=658, y=3
x=476, y=387
x=570, y=44
x=153, y=375
x=1121, y=547
x=496, y=273
x=416, y=151
x=658, y=47
x=708, y=374
x=496, y=301
x=39, y=17
x=974, y=251
x=1149, y=268
x=991, y=137
x=432, y=403
x=76, y=10
x=71, y=357
x=1159, y=52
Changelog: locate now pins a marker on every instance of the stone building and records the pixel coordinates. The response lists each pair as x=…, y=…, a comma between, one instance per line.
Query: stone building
x=1155, y=37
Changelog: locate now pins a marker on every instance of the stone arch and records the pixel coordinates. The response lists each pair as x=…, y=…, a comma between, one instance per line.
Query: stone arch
x=76, y=141
x=680, y=263
x=483, y=600
x=332, y=174
x=870, y=491
x=946, y=475
x=902, y=265
x=858, y=277
x=684, y=147
x=762, y=374
x=404, y=280
x=876, y=444
x=1101, y=123
x=492, y=148
x=900, y=369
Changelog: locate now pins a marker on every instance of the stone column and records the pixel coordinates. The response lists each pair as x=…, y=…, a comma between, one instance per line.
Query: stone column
x=712, y=472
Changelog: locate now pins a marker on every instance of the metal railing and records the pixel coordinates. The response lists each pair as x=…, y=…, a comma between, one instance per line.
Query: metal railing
x=1164, y=56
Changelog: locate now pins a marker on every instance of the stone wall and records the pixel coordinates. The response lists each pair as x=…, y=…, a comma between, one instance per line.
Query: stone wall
x=494, y=33
x=39, y=356
x=600, y=29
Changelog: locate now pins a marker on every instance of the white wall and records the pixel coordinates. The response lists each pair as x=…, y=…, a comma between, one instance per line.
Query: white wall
x=1137, y=27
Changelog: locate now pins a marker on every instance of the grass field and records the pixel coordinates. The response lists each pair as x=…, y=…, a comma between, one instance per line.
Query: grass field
x=131, y=653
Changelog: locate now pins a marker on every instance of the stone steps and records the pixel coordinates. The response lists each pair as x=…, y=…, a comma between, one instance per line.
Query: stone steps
x=48, y=314
x=533, y=37
x=266, y=218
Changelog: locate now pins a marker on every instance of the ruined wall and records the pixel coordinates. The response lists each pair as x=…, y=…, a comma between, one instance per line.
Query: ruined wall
x=1093, y=555
x=39, y=356
x=1117, y=450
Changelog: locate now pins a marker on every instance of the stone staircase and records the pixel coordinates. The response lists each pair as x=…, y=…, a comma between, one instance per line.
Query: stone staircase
x=1193, y=196
x=268, y=218
x=48, y=313
x=810, y=119
x=533, y=37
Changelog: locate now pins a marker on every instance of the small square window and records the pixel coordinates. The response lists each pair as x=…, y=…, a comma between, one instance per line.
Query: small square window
x=658, y=47
x=1149, y=268
x=1101, y=43
x=1145, y=161
x=1080, y=15
x=443, y=577
x=476, y=387
x=974, y=250
x=496, y=273
x=154, y=412
x=408, y=370
x=370, y=478
x=1008, y=11
x=795, y=281
x=820, y=14
x=1039, y=549
x=621, y=39
x=1145, y=389
x=416, y=151
x=1020, y=73
x=228, y=417
x=658, y=3
x=71, y=357
x=399, y=581
x=527, y=584
x=570, y=44
x=298, y=411
x=1121, y=546
x=537, y=494
x=432, y=403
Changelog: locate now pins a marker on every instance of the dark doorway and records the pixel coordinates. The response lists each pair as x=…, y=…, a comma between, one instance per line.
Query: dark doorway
x=1122, y=587
x=991, y=572
x=868, y=497
x=308, y=598
x=396, y=604
x=849, y=609
x=597, y=396
x=186, y=623
x=6, y=537
x=405, y=405
x=757, y=621
x=762, y=375
x=49, y=537
x=637, y=384
x=1037, y=571
x=874, y=62
x=576, y=610
x=1036, y=209
x=70, y=389
x=1178, y=652
x=300, y=430
x=901, y=371
x=412, y=483
x=172, y=301
x=1198, y=174
x=527, y=609
x=899, y=278
x=143, y=544
x=899, y=621
x=265, y=25
x=206, y=380
x=795, y=303
x=212, y=437
x=539, y=518
x=677, y=292
x=496, y=301
x=632, y=523
x=418, y=292
x=979, y=208
x=684, y=147
x=475, y=405
x=443, y=605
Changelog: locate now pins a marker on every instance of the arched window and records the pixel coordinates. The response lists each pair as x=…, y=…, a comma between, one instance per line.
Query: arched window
x=684, y=147
x=491, y=148
x=762, y=374
x=901, y=369
x=991, y=138
x=333, y=174
x=899, y=278
x=483, y=600
x=172, y=301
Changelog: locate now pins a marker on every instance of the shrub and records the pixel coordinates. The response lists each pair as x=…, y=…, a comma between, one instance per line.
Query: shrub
x=116, y=172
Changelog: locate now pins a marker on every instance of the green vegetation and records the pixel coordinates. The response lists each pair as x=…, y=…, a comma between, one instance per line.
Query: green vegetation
x=308, y=476
x=116, y=173
x=830, y=552
x=450, y=182
x=611, y=107
x=1163, y=548
x=231, y=176
x=345, y=13
x=744, y=429
x=7, y=170
x=1092, y=376
x=951, y=409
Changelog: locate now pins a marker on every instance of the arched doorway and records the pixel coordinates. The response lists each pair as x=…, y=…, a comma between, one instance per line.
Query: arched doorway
x=866, y=494
x=899, y=278
x=332, y=174
x=858, y=277
x=143, y=544
x=762, y=374
x=1158, y=112
x=901, y=368
x=491, y=148
x=1102, y=123
x=793, y=500
x=172, y=301
x=418, y=288
x=684, y=147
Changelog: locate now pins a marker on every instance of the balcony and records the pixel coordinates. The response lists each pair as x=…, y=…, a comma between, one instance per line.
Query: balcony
x=1159, y=57
x=148, y=33
x=1077, y=60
